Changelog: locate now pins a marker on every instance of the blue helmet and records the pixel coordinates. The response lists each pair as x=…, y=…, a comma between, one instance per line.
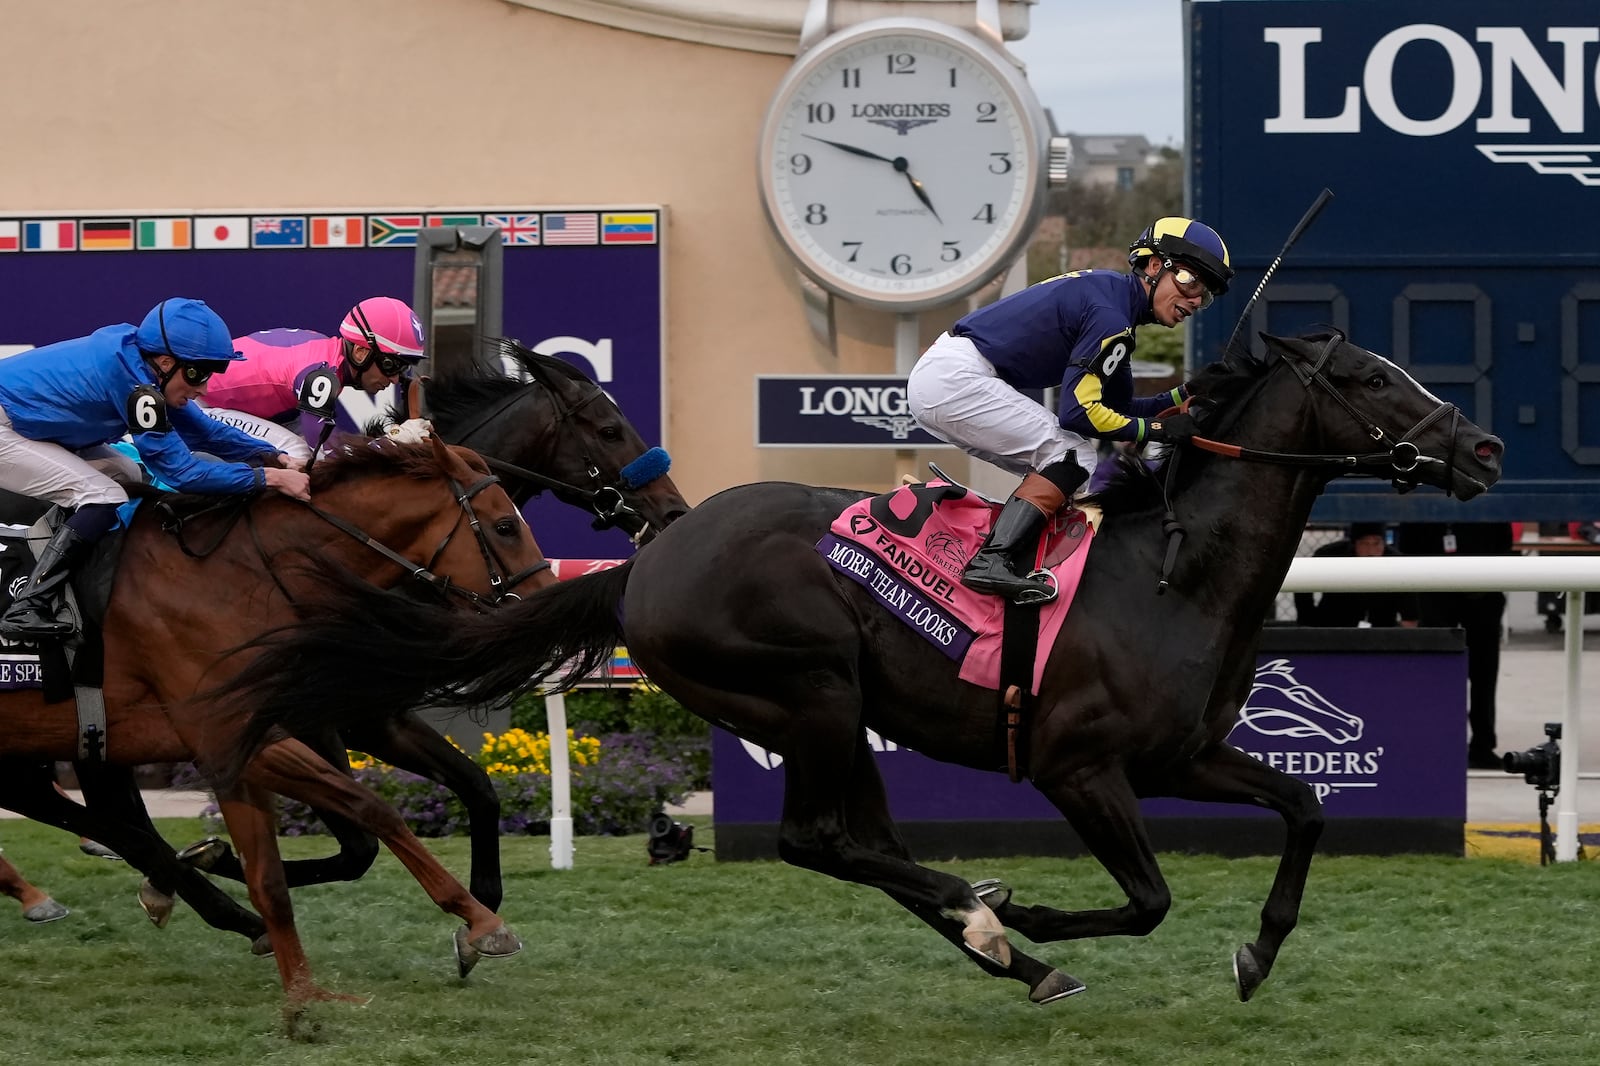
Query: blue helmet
x=1194, y=243
x=187, y=330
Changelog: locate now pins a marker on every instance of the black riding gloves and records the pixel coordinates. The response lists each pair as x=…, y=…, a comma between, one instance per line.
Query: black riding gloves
x=1173, y=429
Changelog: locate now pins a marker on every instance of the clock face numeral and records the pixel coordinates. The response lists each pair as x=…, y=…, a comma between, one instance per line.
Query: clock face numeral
x=915, y=143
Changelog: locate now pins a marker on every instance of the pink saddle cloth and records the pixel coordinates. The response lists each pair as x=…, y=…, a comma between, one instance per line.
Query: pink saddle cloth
x=908, y=548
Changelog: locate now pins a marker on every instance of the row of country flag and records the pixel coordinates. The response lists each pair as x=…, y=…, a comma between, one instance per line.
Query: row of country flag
x=316, y=231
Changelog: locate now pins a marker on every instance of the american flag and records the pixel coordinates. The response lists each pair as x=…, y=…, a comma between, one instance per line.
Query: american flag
x=571, y=229
x=515, y=229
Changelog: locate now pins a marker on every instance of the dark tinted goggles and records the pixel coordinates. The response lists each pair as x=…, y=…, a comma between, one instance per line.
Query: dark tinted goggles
x=391, y=365
x=198, y=373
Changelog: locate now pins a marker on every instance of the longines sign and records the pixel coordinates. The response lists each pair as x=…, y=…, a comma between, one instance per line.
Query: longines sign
x=834, y=411
x=1461, y=139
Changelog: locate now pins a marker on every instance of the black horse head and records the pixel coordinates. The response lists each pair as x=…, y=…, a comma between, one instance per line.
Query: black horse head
x=563, y=431
x=1322, y=403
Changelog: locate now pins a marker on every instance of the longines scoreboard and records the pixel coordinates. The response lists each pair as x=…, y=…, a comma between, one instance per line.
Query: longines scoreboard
x=1461, y=139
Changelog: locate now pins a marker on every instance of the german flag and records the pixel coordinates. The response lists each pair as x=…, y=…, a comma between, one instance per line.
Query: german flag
x=106, y=234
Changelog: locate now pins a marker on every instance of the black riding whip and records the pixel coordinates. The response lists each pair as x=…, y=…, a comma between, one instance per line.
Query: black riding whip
x=1305, y=220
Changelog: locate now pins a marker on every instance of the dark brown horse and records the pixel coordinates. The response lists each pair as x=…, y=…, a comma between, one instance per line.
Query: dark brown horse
x=733, y=611
x=180, y=606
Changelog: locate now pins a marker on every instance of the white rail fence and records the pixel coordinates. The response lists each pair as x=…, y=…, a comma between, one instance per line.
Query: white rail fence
x=1574, y=575
x=1387, y=574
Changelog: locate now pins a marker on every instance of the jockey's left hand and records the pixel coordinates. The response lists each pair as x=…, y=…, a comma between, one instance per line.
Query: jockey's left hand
x=285, y=461
x=1173, y=429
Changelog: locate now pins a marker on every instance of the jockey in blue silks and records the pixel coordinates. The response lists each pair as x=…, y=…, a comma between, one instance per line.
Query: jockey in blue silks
x=60, y=406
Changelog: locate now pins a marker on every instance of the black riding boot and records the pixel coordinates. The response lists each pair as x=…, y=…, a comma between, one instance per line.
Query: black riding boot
x=1010, y=547
x=32, y=615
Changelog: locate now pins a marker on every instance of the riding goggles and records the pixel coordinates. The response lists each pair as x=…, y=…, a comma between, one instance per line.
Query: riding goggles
x=391, y=365
x=197, y=374
x=1190, y=284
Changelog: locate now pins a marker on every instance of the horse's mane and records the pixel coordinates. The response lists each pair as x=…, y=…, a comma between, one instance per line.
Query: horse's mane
x=1222, y=385
x=464, y=390
x=358, y=457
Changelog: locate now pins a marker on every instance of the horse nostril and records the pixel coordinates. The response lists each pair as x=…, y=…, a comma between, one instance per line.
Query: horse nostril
x=1488, y=449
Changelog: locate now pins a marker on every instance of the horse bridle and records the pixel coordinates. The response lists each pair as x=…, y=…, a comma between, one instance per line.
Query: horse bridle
x=1402, y=459
x=605, y=501
x=500, y=587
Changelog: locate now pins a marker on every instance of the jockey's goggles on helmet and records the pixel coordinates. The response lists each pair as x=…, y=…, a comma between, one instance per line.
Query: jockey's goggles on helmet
x=1189, y=283
x=391, y=365
x=198, y=374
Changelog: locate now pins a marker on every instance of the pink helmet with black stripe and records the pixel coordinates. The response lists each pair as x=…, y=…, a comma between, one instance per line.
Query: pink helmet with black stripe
x=384, y=324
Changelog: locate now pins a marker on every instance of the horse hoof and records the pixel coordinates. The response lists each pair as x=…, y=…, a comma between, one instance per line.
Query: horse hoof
x=261, y=946
x=96, y=850
x=467, y=956
x=1056, y=985
x=992, y=893
x=205, y=854
x=1247, y=973
x=157, y=904
x=989, y=946
x=48, y=911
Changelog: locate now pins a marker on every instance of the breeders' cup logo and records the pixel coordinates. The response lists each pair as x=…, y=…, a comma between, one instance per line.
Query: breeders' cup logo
x=1499, y=79
x=1280, y=706
x=17, y=585
x=945, y=549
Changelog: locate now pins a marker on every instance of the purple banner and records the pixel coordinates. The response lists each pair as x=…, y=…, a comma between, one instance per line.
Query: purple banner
x=598, y=306
x=1374, y=734
x=929, y=620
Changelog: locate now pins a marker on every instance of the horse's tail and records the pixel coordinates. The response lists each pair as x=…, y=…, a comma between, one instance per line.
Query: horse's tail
x=360, y=653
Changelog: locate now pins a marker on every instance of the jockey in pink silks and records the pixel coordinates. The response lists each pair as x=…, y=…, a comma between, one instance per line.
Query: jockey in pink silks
x=379, y=341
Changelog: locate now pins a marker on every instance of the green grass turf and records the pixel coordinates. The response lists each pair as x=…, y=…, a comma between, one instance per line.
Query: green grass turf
x=1396, y=960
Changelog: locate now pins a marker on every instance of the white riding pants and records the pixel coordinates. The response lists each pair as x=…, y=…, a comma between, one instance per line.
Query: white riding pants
x=46, y=471
x=956, y=394
x=282, y=438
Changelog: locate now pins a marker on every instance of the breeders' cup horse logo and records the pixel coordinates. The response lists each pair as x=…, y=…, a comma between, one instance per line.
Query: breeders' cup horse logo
x=944, y=548
x=1280, y=706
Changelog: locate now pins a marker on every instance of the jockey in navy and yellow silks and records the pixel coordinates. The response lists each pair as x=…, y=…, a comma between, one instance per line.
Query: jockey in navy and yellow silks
x=60, y=406
x=1075, y=331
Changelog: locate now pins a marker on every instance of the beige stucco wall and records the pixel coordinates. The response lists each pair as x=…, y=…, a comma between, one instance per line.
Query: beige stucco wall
x=206, y=104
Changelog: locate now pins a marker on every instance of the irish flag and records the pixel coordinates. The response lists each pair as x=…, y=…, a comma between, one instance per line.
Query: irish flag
x=163, y=233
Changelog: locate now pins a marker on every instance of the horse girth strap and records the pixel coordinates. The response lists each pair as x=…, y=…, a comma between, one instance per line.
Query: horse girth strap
x=1019, y=644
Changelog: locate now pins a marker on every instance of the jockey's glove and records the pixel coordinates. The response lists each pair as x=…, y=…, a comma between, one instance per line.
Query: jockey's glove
x=1173, y=429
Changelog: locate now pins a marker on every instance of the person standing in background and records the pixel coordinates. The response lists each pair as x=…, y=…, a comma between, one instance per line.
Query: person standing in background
x=1358, y=609
x=1478, y=614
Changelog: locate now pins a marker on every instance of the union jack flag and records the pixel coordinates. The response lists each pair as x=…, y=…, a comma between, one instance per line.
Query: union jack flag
x=515, y=229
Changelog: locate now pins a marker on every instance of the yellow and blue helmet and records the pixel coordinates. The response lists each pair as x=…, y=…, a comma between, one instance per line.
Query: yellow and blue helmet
x=1194, y=243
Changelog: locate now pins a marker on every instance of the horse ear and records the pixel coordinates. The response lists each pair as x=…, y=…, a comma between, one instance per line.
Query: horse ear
x=447, y=459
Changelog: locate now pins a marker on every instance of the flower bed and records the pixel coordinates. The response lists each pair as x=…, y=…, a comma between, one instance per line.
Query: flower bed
x=618, y=781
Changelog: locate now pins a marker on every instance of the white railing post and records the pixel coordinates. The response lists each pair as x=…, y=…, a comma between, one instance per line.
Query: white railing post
x=1567, y=803
x=555, y=709
x=1483, y=573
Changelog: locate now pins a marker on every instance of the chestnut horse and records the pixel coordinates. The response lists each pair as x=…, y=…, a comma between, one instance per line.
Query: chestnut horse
x=182, y=605
x=37, y=906
x=733, y=611
x=542, y=424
